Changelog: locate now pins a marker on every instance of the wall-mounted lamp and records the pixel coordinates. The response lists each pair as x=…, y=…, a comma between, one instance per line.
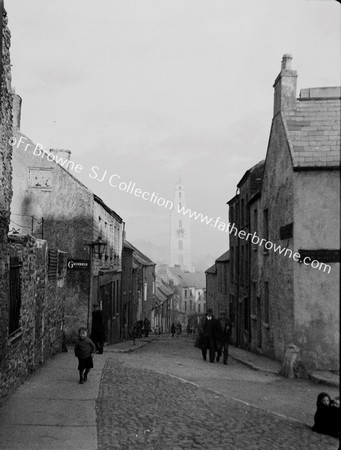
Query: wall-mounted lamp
x=98, y=247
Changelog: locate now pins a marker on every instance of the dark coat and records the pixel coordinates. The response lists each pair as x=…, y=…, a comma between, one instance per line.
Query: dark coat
x=223, y=330
x=97, y=328
x=326, y=420
x=208, y=328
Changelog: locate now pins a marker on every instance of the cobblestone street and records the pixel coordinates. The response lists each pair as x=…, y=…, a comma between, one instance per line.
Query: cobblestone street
x=141, y=407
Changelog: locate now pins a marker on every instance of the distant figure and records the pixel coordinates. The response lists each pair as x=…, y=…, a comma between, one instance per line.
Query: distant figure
x=327, y=416
x=208, y=331
x=84, y=350
x=178, y=329
x=173, y=329
x=97, y=328
x=146, y=327
x=134, y=333
x=188, y=329
x=222, y=335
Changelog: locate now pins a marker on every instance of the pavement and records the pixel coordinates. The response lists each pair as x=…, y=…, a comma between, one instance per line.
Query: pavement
x=51, y=410
x=258, y=362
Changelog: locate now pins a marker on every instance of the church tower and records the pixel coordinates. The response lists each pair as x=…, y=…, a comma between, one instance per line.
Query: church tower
x=180, y=232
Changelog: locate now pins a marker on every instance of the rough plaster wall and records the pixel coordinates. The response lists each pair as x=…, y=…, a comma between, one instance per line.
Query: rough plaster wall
x=277, y=270
x=317, y=320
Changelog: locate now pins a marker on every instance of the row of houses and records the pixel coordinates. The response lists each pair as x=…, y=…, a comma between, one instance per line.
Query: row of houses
x=186, y=295
x=62, y=250
x=284, y=259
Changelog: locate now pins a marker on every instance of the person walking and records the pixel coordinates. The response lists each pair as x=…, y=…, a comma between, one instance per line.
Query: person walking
x=97, y=328
x=208, y=332
x=84, y=350
x=173, y=329
x=146, y=327
x=223, y=333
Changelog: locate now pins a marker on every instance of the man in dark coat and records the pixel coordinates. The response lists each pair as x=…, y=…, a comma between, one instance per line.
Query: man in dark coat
x=98, y=329
x=223, y=333
x=208, y=331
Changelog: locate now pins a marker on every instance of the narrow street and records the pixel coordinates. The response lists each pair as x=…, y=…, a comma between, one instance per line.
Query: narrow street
x=164, y=396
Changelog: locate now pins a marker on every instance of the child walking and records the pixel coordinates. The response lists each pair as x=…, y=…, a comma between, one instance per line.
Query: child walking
x=84, y=350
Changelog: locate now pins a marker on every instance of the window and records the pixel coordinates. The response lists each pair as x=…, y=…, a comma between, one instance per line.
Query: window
x=190, y=305
x=246, y=314
x=255, y=220
x=255, y=226
x=266, y=224
x=199, y=308
x=232, y=308
x=180, y=245
x=185, y=306
x=242, y=213
x=53, y=264
x=145, y=291
x=15, y=295
x=185, y=293
x=241, y=265
x=254, y=299
x=266, y=303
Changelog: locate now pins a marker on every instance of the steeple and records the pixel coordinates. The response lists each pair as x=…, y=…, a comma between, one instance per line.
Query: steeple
x=180, y=231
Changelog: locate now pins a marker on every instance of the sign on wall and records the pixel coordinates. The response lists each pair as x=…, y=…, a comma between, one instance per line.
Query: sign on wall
x=78, y=264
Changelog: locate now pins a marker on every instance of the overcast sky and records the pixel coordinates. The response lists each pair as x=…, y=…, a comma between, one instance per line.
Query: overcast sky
x=147, y=88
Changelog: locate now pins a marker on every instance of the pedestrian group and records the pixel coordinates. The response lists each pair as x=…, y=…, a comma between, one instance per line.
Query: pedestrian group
x=214, y=336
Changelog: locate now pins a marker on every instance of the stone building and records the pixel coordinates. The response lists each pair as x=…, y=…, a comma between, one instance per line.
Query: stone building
x=189, y=299
x=163, y=313
x=138, y=286
x=240, y=250
x=294, y=223
x=217, y=284
x=50, y=203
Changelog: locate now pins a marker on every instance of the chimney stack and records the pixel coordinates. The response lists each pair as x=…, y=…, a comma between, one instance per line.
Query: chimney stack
x=285, y=87
x=64, y=156
x=16, y=111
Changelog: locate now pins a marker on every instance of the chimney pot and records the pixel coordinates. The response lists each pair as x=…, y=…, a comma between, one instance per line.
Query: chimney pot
x=286, y=62
x=285, y=87
x=16, y=111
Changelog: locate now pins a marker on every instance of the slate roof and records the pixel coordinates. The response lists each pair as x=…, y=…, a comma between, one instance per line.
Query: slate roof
x=224, y=257
x=196, y=280
x=139, y=256
x=211, y=270
x=313, y=129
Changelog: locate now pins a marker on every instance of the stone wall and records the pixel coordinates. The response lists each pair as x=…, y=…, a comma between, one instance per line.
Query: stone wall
x=40, y=332
x=5, y=134
x=5, y=180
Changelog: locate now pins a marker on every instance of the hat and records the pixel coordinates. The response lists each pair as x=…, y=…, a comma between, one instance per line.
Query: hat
x=209, y=311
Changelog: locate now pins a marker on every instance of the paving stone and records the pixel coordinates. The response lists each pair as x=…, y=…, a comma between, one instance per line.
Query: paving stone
x=139, y=408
